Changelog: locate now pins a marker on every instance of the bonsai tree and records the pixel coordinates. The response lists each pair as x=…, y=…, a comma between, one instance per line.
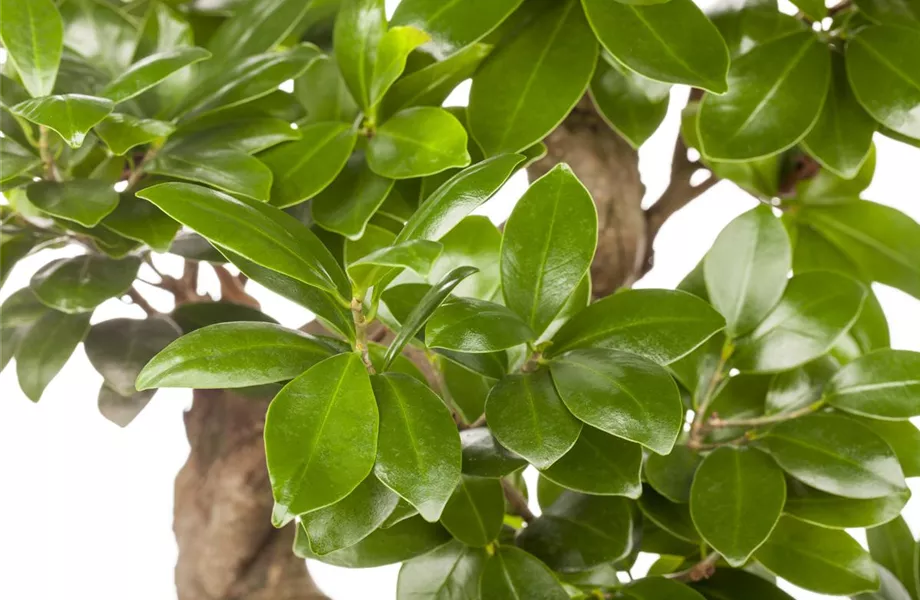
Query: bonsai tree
x=735, y=426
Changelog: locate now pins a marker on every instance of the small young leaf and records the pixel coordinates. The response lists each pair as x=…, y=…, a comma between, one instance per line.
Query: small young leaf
x=632, y=104
x=324, y=94
x=417, y=142
x=45, y=347
x=394, y=49
x=121, y=132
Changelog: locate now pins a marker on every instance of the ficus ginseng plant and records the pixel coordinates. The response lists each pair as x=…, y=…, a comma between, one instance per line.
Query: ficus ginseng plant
x=735, y=426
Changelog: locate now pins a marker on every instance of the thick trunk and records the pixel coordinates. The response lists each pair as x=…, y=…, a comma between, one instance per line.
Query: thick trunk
x=228, y=549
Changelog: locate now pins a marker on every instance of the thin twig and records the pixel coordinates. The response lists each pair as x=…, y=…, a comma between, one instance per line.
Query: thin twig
x=716, y=423
x=139, y=300
x=479, y=422
x=698, y=572
x=44, y=150
x=699, y=418
x=357, y=312
x=517, y=501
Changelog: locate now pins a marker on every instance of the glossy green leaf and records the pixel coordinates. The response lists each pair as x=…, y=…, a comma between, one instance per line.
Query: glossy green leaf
x=511, y=573
x=193, y=316
x=359, y=28
x=621, y=393
x=324, y=94
x=231, y=355
x=599, y=464
x=547, y=247
x=405, y=540
x=827, y=510
x=881, y=241
x=577, y=532
x=746, y=269
x=893, y=12
x=250, y=135
x=737, y=583
x=417, y=142
x=81, y=283
x=351, y=519
x=836, y=455
x=303, y=168
x=151, y=70
x=349, y=202
x=417, y=255
x=121, y=132
x=662, y=325
x=531, y=83
x=470, y=325
x=828, y=188
x=419, y=452
x=889, y=588
x=671, y=475
x=394, y=49
x=842, y=137
x=139, y=220
x=32, y=34
x=632, y=104
x=892, y=546
x=119, y=348
x=818, y=559
x=45, y=347
x=475, y=510
x=885, y=79
x=86, y=201
x=17, y=159
x=483, y=456
x=260, y=233
x=474, y=241
x=526, y=414
x=816, y=309
x=775, y=94
x=904, y=439
x=453, y=26
x=736, y=501
x=800, y=387
x=321, y=435
x=672, y=42
x=228, y=170
x=69, y=115
x=673, y=518
x=657, y=588
x=449, y=573
x=883, y=384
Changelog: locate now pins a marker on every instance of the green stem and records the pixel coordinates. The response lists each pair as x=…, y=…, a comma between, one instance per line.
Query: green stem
x=357, y=312
x=44, y=150
x=702, y=409
x=716, y=423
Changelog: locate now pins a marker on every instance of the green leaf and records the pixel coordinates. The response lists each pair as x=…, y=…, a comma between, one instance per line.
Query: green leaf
x=475, y=510
x=394, y=49
x=621, y=393
x=470, y=325
x=672, y=42
x=548, y=244
x=828, y=188
x=260, y=233
x=151, y=70
x=32, y=33
x=119, y=348
x=780, y=86
x=820, y=508
x=419, y=452
x=250, y=135
x=746, y=269
x=405, y=540
x=881, y=241
x=475, y=241
x=45, y=347
x=736, y=501
x=424, y=309
x=232, y=355
x=511, y=574
x=884, y=385
x=351, y=519
x=531, y=83
x=578, y=532
x=483, y=456
x=324, y=94
x=416, y=142
x=892, y=546
x=121, y=410
x=632, y=104
x=81, y=283
x=121, y=132
x=735, y=583
x=657, y=588
x=453, y=26
x=842, y=137
x=885, y=79
x=228, y=170
x=304, y=167
x=17, y=159
x=86, y=201
x=889, y=588
x=836, y=455
x=800, y=387
x=673, y=518
x=818, y=559
x=904, y=439
x=904, y=13
x=139, y=220
x=417, y=255
x=359, y=27
x=329, y=411
x=449, y=573
x=459, y=196
x=662, y=325
x=671, y=475
x=527, y=416
x=599, y=464
x=816, y=310
x=192, y=316
x=13, y=248
x=69, y=115
x=349, y=202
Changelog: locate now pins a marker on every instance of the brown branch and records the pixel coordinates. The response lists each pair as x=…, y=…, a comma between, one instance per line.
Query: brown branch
x=698, y=572
x=517, y=501
x=138, y=171
x=230, y=287
x=139, y=300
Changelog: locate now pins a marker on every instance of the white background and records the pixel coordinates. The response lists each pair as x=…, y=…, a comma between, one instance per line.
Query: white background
x=86, y=507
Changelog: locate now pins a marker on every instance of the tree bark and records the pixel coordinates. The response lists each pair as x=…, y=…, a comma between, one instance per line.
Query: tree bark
x=228, y=549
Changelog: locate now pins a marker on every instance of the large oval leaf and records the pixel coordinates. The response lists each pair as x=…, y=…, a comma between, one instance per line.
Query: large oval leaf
x=449, y=573
x=511, y=574
x=349, y=202
x=69, y=115
x=827, y=510
x=45, y=347
x=121, y=132
x=359, y=27
x=884, y=384
x=632, y=104
x=231, y=355
x=32, y=33
x=82, y=283
x=470, y=325
x=151, y=70
x=418, y=456
x=416, y=142
x=475, y=511
x=86, y=201
x=321, y=436
x=600, y=464
x=232, y=171
x=119, y=348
